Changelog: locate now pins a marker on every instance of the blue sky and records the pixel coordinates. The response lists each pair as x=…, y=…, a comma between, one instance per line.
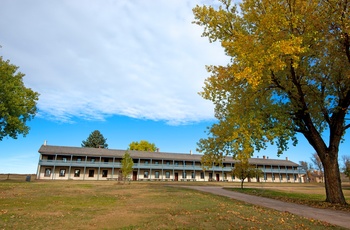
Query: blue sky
x=130, y=69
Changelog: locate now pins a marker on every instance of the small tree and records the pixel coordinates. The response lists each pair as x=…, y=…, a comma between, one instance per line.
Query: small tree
x=142, y=146
x=127, y=166
x=306, y=166
x=244, y=170
x=95, y=140
x=346, y=169
x=318, y=164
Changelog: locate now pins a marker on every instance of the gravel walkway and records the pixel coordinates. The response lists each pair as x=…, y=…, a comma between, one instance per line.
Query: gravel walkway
x=339, y=218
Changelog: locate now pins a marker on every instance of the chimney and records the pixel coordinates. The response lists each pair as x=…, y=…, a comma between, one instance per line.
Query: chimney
x=287, y=159
x=264, y=157
x=157, y=150
x=191, y=152
x=45, y=142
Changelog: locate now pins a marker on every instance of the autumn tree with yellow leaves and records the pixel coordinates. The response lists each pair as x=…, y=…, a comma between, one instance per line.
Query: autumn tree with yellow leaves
x=289, y=73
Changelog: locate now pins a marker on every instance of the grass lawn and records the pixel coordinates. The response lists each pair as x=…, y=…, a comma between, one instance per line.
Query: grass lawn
x=152, y=205
x=311, y=194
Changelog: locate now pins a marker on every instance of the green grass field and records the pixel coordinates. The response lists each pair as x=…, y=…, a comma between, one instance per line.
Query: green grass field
x=110, y=205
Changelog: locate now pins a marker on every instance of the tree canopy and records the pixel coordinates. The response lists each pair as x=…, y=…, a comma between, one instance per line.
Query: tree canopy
x=17, y=102
x=142, y=146
x=95, y=140
x=288, y=74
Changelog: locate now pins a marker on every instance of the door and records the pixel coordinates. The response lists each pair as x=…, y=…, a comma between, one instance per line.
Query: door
x=134, y=175
x=176, y=176
x=217, y=177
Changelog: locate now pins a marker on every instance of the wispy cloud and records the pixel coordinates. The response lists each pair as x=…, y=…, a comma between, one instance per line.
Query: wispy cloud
x=92, y=59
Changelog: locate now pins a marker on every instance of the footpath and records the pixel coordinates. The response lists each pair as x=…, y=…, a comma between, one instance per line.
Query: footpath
x=339, y=218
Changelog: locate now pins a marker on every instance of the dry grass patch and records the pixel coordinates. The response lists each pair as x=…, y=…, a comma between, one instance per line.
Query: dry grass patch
x=109, y=205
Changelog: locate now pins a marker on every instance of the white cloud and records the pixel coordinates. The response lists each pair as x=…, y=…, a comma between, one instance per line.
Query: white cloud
x=91, y=59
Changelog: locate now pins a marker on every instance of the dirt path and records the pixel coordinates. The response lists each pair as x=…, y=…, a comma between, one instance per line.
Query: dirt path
x=331, y=216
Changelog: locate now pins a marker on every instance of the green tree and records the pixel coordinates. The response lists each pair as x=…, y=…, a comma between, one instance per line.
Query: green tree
x=127, y=166
x=288, y=74
x=95, y=140
x=142, y=146
x=243, y=170
x=17, y=103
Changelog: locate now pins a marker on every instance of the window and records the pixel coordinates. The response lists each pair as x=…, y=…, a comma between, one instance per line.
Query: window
x=91, y=173
x=176, y=163
x=49, y=158
x=64, y=159
x=288, y=177
x=156, y=162
x=167, y=174
x=295, y=177
x=145, y=174
x=202, y=175
x=233, y=177
x=104, y=173
x=184, y=175
x=48, y=172
x=210, y=176
x=62, y=172
x=106, y=160
x=92, y=160
x=146, y=162
x=168, y=163
x=157, y=174
x=77, y=173
x=193, y=175
x=79, y=159
x=281, y=177
x=273, y=176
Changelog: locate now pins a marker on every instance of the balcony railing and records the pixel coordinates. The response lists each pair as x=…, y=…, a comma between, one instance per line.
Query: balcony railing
x=76, y=163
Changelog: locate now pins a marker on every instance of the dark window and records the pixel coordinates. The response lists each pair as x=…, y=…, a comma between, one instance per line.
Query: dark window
x=233, y=177
x=168, y=163
x=157, y=174
x=210, y=176
x=273, y=176
x=48, y=172
x=167, y=174
x=49, y=158
x=184, y=175
x=64, y=159
x=106, y=160
x=62, y=172
x=91, y=173
x=146, y=162
x=176, y=163
x=156, y=162
x=79, y=159
x=145, y=175
x=202, y=175
x=92, y=160
x=77, y=173
x=193, y=175
x=104, y=173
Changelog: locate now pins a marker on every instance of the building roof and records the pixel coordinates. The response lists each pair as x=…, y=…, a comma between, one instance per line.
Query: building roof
x=101, y=152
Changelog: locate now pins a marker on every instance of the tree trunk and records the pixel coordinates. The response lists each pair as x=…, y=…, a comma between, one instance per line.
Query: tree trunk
x=242, y=181
x=333, y=186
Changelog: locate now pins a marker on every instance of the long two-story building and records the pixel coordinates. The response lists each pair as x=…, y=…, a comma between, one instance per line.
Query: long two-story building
x=76, y=163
